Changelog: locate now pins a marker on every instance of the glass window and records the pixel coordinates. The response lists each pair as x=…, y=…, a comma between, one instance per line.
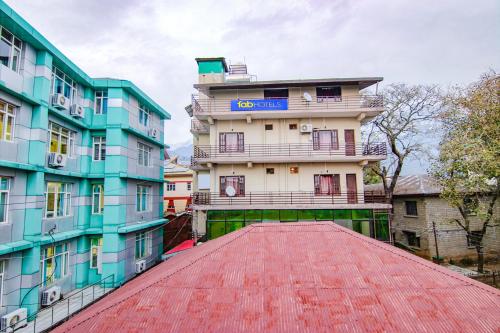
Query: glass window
x=143, y=244
x=7, y=121
x=170, y=186
x=10, y=50
x=231, y=142
x=143, y=198
x=144, y=115
x=2, y=272
x=97, y=199
x=55, y=263
x=329, y=93
x=411, y=208
x=63, y=84
x=96, y=253
x=62, y=140
x=58, y=200
x=4, y=198
x=412, y=239
x=101, y=102
x=234, y=184
x=144, y=154
x=188, y=186
x=99, y=148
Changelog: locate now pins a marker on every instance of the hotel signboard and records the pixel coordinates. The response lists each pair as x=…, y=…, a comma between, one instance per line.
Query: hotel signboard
x=259, y=104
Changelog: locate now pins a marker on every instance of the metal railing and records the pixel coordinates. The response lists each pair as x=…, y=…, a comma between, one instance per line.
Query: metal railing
x=195, y=165
x=60, y=311
x=286, y=198
x=199, y=127
x=211, y=104
x=288, y=149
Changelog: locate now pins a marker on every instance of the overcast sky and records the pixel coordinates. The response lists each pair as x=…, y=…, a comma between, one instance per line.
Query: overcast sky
x=154, y=43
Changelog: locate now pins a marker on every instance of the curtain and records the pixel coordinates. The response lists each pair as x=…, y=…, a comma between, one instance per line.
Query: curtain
x=326, y=184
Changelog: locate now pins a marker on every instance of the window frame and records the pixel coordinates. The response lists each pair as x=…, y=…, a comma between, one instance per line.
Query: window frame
x=97, y=255
x=335, y=183
x=143, y=151
x=99, y=142
x=329, y=97
x=240, y=142
x=100, y=199
x=223, y=184
x=71, y=138
x=410, y=214
x=4, y=122
x=143, y=190
x=64, y=269
x=413, y=235
x=144, y=115
x=145, y=237
x=5, y=218
x=2, y=276
x=334, y=139
x=13, y=48
x=171, y=186
x=58, y=74
x=66, y=189
x=102, y=97
x=189, y=186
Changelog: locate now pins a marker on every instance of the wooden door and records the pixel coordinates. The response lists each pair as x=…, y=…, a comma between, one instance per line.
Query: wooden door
x=352, y=192
x=350, y=144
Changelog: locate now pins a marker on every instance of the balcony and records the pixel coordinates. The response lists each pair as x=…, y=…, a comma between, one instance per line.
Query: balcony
x=199, y=127
x=289, y=153
x=297, y=107
x=197, y=166
x=295, y=200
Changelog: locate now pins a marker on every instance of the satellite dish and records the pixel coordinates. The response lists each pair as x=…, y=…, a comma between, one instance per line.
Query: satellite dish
x=308, y=97
x=230, y=191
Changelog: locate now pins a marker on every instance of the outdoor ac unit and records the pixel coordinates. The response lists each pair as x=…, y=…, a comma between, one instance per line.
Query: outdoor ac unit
x=59, y=101
x=14, y=320
x=57, y=160
x=51, y=295
x=306, y=128
x=153, y=132
x=77, y=111
x=140, y=266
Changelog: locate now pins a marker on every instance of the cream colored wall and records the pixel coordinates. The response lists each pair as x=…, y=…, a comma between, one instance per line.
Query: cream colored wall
x=292, y=92
x=180, y=191
x=257, y=180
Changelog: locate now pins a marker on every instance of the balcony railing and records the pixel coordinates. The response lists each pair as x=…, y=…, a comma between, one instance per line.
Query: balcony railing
x=203, y=106
x=289, y=149
x=199, y=127
x=286, y=198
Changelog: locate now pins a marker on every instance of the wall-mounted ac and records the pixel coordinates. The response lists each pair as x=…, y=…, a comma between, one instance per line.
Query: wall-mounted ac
x=154, y=133
x=59, y=101
x=140, y=266
x=306, y=128
x=51, y=295
x=77, y=111
x=14, y=320
x=57, y=160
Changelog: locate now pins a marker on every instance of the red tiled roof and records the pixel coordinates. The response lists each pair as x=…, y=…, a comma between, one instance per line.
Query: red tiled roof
x=295, y=277
x=187, y=244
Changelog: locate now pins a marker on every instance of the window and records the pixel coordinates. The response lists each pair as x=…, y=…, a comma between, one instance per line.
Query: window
x=327, y=184
x=98, y=199
x=270, y=171
x=7, y=121
x=188, y=186
x=96, y=253
x=471, y=205
x=55, y=263
x=411, y=208
x=99, y=148
x=62, y=140
x=275, y=93
x=474, y=238
x=237, y=183
x=143, y=244
x=144, y=154
x=292, y=126
x=58, y=200
x=170, y=186
x=329, y=93
x=325, y=140
x=2, y=272
x=101, y=102
x=294, y=170
x=144, y=115
x=269, y=127
x=10, y=50
x=411, y=238
x=4, y=198
x=231, y=142
x=143, y=203
x=63, y=84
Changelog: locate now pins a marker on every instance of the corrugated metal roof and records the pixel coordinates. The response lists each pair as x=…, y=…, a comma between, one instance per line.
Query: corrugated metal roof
x=410, y=185
x=295, y=277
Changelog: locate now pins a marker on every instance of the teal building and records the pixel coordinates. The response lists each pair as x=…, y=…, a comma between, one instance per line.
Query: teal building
x=81, y=172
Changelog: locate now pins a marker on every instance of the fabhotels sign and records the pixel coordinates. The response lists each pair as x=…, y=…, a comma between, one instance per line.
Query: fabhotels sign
x=259, y=104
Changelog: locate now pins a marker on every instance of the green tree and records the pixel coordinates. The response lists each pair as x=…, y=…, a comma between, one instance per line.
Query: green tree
x=468, y=166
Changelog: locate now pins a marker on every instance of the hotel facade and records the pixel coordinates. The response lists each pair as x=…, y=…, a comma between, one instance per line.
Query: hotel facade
x=288, y=150
x=81, y=173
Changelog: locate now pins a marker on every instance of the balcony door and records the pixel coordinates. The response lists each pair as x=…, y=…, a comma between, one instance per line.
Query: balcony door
x=327, y=184
x=231, y=142
x=350, y=144
x=325, y=140
x=352, y=188
x=236, y=182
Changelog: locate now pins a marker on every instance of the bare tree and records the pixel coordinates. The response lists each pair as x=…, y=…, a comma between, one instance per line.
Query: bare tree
x=409, y=112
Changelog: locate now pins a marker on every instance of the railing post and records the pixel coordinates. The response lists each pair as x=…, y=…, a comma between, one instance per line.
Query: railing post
x=250, y=198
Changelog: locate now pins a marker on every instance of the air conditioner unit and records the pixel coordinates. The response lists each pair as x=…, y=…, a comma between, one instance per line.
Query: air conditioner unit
x=51, y=295
x=14, y=320
x=140, y=266
x=59, y=101
x=57, y=160
x=77, y=111
x=306, y=128
x=154, y=133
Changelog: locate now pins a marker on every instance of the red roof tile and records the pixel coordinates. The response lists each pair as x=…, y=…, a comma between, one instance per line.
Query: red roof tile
x=295, y=277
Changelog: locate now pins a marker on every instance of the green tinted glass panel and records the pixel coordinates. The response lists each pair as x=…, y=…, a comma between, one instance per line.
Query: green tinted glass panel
x=306, y=215
x=216, y=229
x=382, y=230
x=235, y=215
x=216, y=215
x=324, y=215
x=356, y=226
x=382, y=216
x=365, y=228
x=288, y=215
x=233, y=226
x=253, y=215
x=359, y=214
x=342, y=214
x=271, y=215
